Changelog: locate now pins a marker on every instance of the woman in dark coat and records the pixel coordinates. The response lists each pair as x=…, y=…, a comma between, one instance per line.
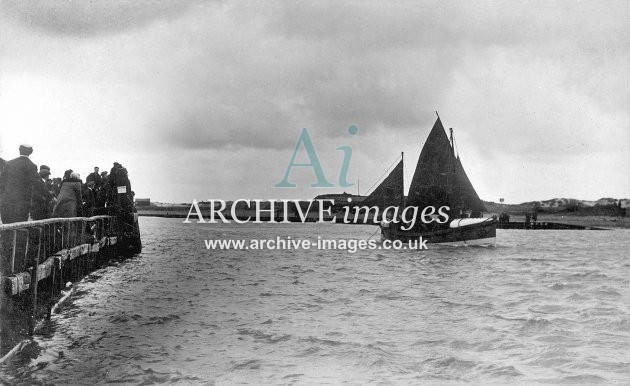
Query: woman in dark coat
x=69, y=200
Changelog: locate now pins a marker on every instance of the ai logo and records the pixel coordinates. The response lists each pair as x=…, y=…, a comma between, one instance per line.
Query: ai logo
x=305, y=140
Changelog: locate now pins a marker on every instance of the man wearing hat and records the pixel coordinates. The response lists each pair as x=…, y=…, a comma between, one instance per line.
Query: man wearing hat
x=16, y=186
x=46, y=170
x=95, y=176
x=42, y=197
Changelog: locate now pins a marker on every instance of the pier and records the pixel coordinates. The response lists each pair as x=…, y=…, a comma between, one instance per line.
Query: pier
x=39, y=258
x=560, y=222
x=544, y=225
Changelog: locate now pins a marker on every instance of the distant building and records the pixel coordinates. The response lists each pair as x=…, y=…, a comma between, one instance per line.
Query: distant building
x=143, y=202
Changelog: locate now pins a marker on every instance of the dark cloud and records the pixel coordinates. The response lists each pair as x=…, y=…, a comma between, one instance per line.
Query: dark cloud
x=265, y=82
x=95, y=17
x=534, y=90
x=276, y=67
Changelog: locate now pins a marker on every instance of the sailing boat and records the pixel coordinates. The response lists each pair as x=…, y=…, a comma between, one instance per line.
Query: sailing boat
x=441, y=182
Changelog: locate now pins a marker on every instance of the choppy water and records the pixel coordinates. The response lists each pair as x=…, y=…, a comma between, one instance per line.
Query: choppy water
x=542, y=307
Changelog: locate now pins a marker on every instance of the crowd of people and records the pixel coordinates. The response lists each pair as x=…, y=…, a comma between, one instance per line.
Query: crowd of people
x=25, y=190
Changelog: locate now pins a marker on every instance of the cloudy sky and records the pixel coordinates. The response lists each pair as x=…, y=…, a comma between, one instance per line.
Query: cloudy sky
x=202, y=99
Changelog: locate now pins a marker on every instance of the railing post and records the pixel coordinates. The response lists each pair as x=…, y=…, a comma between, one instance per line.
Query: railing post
x=13, y=251
x=61, y=265
x=34, y=283
x=28, y=237
x=84, y=259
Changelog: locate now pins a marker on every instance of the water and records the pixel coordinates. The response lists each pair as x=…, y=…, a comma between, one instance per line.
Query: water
x=542, y=307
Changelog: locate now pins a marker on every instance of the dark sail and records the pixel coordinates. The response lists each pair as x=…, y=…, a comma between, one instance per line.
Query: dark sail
x=434, y=172
x=440, y=178
x=463, y=191
x=390, y=192
x=438, y=181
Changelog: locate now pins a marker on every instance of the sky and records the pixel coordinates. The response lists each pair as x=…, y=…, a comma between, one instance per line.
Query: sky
x=206, y=100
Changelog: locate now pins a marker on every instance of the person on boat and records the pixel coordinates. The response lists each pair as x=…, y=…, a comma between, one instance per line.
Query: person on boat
x=70, y=199
x=386, y=222
x=42, y=196
x=459, y=211
x=16, y=186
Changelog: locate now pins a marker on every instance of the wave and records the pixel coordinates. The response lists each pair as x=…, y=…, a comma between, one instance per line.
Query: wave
x=250, y=364
x=261, y=336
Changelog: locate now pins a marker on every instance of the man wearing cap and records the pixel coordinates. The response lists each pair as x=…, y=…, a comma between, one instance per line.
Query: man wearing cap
x=95, y=176
x=42, y=197
x=16, y=186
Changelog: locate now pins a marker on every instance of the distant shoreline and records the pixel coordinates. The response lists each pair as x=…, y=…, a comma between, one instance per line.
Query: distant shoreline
x=572, y=218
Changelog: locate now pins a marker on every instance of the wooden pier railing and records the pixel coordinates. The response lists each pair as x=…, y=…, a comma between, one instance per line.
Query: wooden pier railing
x=38, y=258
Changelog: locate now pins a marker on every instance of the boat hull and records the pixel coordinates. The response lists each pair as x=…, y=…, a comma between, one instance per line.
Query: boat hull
x=478, y=233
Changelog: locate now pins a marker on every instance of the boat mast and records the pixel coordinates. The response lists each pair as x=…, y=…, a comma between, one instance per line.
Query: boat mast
x=402, y=159
x=451, y=189
x=453, y=148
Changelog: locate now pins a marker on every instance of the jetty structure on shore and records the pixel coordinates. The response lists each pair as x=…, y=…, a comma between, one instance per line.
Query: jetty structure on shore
x=514, y=218
x=39, y=258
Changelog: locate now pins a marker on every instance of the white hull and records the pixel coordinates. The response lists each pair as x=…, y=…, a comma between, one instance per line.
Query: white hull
x=487, y=242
